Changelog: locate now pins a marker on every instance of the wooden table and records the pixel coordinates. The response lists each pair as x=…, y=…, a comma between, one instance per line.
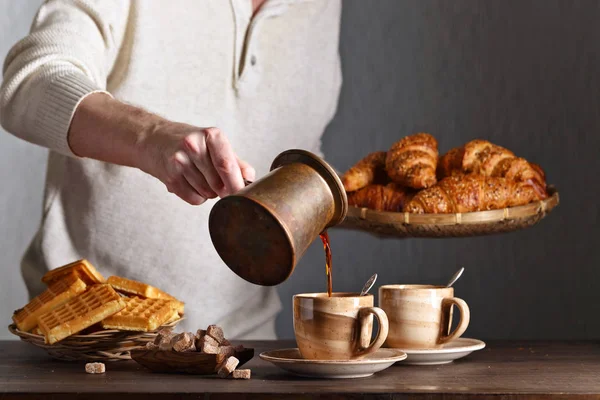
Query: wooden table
x=503, y=370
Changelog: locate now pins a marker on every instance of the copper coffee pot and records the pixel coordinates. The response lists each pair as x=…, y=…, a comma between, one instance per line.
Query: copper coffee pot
x=263, y=230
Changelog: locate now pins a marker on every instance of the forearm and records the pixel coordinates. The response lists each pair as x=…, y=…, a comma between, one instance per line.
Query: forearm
x=69, y=53
x=195, y=163
x=108, y=130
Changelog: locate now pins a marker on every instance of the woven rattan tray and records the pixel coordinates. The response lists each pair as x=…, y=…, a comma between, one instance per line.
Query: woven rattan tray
x=107, y=345
x=405, y=225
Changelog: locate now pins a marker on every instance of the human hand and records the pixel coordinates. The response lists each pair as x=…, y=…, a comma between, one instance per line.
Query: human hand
x=194, y=163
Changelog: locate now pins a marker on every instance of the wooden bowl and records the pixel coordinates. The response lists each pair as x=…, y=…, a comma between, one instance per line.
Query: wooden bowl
x=188, y=362
x=102, y=345
x=405, y=225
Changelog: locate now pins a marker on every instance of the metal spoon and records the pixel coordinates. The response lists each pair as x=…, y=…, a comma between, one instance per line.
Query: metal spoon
x=368, y=285
x=455, y=277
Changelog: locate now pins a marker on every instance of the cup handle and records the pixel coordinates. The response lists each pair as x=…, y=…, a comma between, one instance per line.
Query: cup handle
x=382, y=333
x=465, y=317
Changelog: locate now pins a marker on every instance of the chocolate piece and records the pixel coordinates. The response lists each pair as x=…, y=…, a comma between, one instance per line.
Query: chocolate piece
x=215, y=332
x=165, y=334
x=241, y=374
x=227, y=367
x=95, y=368
x=209, y=349
x=199, y=339
x=183, y=342
x=200, y=333
x=228, y=351
x=208, y=345
x=151, y=346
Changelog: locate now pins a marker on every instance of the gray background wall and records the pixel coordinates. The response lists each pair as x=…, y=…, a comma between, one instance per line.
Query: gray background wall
x=521, y=73
x=22, y=169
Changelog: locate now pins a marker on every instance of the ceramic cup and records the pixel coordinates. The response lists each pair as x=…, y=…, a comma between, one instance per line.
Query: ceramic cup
x=337, y=327
x=420, y=316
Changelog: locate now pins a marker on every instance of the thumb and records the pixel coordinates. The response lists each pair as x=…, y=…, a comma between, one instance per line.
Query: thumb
x=248, y=173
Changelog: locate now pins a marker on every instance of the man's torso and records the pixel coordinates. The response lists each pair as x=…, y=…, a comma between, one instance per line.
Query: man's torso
x=270, y=85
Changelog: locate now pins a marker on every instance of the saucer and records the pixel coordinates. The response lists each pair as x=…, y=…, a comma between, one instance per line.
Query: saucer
x=291, y=361
x=449, y=352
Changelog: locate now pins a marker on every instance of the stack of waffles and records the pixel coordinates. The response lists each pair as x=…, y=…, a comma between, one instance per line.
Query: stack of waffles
x=78, y=298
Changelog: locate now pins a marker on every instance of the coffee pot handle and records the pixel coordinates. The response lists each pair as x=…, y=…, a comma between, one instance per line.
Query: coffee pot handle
x=465, y=317
x=365, y=334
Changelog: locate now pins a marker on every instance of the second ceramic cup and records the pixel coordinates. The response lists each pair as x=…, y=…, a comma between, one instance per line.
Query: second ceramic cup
x=420, y=315
x=337, y=327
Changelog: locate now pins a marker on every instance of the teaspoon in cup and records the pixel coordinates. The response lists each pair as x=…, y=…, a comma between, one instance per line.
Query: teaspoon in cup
x=455, y=277
x=368, y=285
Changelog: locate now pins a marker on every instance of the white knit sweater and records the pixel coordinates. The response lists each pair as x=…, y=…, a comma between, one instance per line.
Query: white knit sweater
x=270, y=83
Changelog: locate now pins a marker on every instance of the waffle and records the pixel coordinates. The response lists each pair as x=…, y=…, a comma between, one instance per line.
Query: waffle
x=88, y=308
x=179, y=306
x=140, y=315
x=135, y=288
x=174, y=316
x=56, y=295
x=86, y=272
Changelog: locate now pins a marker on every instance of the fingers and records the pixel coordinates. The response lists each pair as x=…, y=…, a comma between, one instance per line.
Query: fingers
x=193, y=176
x=209, y=165
x=181, y=187
x=248, y=173
x=195, y=146
x=224, y=161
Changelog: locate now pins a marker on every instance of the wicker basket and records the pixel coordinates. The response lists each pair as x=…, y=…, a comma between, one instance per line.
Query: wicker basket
x=405, y=225
x=108, y=345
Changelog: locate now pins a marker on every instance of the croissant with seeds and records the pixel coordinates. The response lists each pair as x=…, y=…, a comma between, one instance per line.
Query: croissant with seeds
x=412, y=161
x=471, y=192
x=482, y=157
x=390, y=197
x=370, y=169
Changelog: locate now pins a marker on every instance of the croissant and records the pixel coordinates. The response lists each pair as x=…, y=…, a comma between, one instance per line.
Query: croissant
x=451, y=163
x=365, y=172
x=472, y=192
x=539, y=170
x=483, y=157
x=391, y=197
x=412, y=161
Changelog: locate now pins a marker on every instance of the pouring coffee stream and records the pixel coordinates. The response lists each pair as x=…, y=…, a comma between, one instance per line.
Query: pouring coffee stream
x=325, y=238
